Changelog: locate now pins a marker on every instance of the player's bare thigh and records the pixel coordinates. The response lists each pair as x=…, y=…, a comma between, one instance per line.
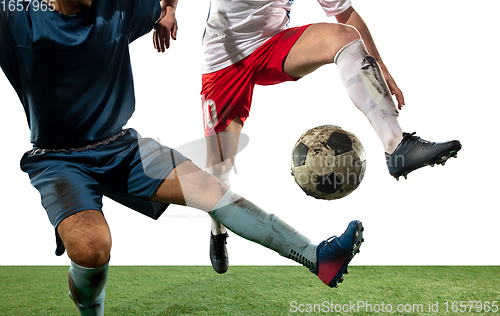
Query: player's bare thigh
x=86, y=237
x=317, y=46
x=222, y=147
x=189, y=185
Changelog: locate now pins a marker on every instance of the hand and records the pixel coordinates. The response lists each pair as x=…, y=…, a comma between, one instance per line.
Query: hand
x=393, y=87
x=165, y=28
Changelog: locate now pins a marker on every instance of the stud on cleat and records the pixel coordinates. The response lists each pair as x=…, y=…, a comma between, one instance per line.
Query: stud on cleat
x=414, y=152
x=335, y=253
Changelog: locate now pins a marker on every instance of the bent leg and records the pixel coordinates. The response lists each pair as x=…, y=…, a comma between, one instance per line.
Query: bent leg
x=317, y=46
x=323, y=44
x=368, y=90
x=87, y=239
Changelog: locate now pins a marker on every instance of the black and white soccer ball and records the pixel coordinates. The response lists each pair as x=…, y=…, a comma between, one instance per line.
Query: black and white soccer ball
x=328, y=162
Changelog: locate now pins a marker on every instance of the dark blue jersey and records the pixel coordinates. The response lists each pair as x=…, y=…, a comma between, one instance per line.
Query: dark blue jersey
x=73, y=73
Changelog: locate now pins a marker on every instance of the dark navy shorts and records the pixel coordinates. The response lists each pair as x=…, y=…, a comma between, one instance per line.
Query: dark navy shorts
x=126, y=168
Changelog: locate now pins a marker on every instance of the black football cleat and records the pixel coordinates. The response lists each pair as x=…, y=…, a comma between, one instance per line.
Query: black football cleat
x=218, y=252
x=414, y=152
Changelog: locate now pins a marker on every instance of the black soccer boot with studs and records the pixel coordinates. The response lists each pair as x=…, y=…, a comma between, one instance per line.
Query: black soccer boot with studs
x=218, y=252
x=414, y=152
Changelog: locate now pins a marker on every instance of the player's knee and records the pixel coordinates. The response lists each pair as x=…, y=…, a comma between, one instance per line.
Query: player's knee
x=92, y=252
x=98, y=255
x=347, y=33
x=87, y=238
x=343, y=35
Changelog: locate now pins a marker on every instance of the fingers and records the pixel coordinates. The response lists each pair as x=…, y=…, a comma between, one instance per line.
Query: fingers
x=399, y=96
x=395, y=91
x=166, y=41
x=174, y=32
x=401, y=100
x=160, y=41
x=154, y=39
x=162, y=35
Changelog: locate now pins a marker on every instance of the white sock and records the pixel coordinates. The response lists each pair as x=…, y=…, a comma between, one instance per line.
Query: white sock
x=87, y=288
x=368, y=90
x=252, y=223
x=216, y=227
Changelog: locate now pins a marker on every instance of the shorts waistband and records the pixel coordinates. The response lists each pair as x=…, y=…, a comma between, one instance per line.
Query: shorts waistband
x=84, y=148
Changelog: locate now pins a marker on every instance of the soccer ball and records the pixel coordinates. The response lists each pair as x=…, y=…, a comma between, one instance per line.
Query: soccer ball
x=328, y=162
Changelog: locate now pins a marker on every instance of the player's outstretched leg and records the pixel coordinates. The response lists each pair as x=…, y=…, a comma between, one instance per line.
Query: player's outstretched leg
x=368, y=90
x=328, y=260
x=188, y=185
x=414, y=152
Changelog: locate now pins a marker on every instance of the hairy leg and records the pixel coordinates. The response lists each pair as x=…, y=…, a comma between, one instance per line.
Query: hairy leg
x=87, y=239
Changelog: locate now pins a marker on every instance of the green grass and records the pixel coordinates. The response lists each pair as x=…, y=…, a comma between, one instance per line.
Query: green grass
x=252, y=290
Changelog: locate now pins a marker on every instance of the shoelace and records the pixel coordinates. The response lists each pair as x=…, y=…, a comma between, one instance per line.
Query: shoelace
x=412, y=138
x=327, y=243
x=219, y=246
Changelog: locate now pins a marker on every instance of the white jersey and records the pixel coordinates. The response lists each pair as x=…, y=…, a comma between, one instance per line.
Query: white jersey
x=236, y=28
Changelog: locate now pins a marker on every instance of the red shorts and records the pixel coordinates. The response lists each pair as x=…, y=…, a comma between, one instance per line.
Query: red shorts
x=227, y=93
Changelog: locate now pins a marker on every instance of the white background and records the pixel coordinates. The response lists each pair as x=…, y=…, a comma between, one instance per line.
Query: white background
x=444, y=58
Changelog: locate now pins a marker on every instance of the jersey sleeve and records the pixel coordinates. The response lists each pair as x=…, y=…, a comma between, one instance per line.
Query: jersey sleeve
x=140, y=16
x=334, y=7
